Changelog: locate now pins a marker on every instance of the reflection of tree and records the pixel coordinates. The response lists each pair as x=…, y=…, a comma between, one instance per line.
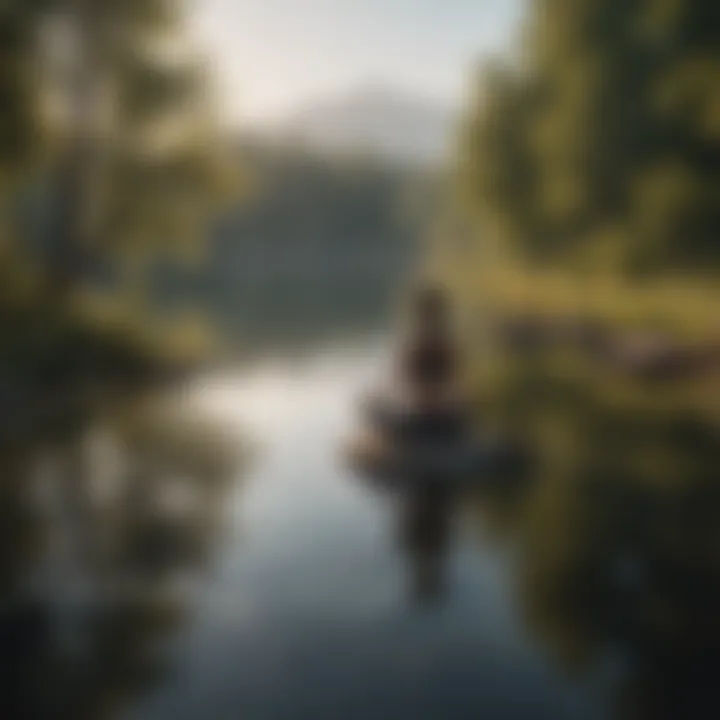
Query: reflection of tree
x=118, y=659
x=20, y=533
x=98, y=556
x=622, y=545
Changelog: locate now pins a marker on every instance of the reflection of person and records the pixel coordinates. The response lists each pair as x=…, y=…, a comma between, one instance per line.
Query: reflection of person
x=427, y=365
x=425, y=527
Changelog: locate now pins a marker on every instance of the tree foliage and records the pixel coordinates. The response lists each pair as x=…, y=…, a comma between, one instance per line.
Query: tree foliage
x=106, y=106
x=601, y=146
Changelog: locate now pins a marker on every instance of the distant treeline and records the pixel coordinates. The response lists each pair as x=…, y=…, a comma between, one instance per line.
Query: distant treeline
x=319, y=245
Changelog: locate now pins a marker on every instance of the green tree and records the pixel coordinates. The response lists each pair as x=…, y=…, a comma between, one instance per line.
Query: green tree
x=107, y=98
x=602, y=144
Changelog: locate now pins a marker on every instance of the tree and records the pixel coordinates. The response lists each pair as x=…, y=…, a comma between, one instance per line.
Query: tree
x=603, y=144
x=106, y=98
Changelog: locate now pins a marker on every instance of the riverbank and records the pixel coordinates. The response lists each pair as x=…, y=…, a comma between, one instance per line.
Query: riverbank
x=664, y=327
x=57, y=364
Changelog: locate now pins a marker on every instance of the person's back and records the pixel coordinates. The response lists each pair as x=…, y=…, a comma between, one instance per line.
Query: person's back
x=423, y=404
x=428, y=358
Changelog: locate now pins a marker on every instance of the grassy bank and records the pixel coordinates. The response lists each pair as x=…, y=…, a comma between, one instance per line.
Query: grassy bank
x=57, y=362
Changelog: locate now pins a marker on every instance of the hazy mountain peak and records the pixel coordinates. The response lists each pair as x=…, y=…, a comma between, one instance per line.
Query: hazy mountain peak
x=377, y=119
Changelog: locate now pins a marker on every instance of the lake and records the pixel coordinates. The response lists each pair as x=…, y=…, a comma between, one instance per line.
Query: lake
x=206, y=552
x=311, y=613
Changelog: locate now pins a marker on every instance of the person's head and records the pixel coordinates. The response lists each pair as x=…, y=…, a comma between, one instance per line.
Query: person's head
x=429, y=306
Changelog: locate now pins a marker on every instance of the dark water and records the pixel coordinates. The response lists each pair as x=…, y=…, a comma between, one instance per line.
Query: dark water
x=153, y=567
x=312, y=612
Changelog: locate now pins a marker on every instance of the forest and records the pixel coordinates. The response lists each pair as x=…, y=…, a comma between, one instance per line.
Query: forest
x=589, y=174
x=108, y=152
x=589, y=163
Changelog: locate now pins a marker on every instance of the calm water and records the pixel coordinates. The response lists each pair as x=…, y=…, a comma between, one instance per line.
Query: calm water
x=311, y=611
x=208, y=555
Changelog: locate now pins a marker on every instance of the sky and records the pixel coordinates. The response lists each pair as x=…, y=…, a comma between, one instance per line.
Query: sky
x=274, y=56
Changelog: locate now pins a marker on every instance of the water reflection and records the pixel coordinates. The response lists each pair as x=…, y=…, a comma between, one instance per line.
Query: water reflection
x=427, y=508
x=612, y=572
x=426, y=519
x=613, y=530
x=105, y=534
x=620, y=564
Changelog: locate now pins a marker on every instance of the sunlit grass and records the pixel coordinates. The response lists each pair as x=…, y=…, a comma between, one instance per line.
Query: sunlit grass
x=681, y=305
x=489, y=283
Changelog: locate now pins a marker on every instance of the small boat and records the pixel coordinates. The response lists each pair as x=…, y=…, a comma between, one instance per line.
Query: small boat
x=402, y=447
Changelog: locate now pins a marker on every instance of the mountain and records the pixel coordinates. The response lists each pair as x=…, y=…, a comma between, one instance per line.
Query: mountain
x=373, y=120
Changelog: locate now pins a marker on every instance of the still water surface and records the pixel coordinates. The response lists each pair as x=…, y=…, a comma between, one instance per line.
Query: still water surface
x=207, y=554
x=311, y=610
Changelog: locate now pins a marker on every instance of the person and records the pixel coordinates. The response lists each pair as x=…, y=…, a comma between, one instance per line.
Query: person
x=428, y=359
x=424, y=400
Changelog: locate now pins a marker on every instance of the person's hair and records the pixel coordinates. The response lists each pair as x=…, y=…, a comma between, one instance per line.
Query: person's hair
x=430, y=302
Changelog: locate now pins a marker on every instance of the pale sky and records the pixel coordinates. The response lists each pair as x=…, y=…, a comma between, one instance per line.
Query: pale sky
x=272, y=56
